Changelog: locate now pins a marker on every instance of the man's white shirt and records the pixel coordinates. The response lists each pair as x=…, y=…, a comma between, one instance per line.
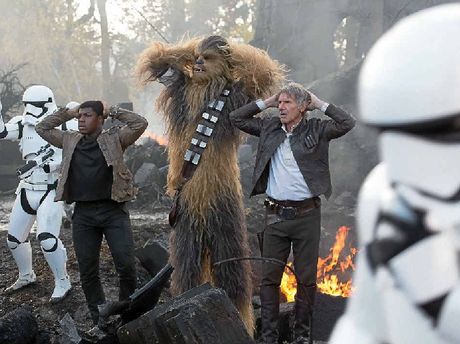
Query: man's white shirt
x=285, y=181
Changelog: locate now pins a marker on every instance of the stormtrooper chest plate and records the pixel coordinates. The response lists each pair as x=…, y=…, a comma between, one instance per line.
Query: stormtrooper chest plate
x=31, y=142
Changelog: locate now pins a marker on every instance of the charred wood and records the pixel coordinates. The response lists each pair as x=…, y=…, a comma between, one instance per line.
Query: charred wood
x=152, y=256
x=200, y=315
x=18, y=327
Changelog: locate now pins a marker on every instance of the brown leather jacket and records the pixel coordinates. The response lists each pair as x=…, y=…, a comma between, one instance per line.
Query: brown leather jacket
x=309, y=144
x=112, y=142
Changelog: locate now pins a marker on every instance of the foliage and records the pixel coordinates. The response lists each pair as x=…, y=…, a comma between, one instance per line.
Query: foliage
x=60, y=40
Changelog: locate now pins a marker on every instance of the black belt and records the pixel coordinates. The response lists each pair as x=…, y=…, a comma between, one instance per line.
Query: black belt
x=289, y=210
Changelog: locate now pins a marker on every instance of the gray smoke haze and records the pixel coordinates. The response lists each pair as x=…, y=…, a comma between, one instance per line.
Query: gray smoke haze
x=322, y=43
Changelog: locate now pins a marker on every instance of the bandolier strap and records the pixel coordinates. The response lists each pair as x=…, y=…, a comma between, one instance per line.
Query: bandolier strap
x=203, y=133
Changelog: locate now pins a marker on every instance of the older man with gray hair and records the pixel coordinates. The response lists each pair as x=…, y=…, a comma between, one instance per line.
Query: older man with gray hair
x=292, y=168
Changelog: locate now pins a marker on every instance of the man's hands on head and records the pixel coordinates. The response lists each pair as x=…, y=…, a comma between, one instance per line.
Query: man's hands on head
x=73, y=111
x=107, y=111
x=113, y=111
x=315, y=102
x=272, y=101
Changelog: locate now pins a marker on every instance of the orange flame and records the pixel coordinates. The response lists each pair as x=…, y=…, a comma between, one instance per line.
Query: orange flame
x=327, y=278
x=161, y=140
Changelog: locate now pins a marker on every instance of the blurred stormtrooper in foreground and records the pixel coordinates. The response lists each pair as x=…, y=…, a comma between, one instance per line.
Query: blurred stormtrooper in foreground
x=407, y=278
x=35, y=194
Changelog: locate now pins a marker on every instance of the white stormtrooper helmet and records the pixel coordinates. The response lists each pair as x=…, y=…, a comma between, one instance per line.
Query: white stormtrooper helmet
x=73, y=123
x=409, y=87
x=72, y=105
x=38, y=101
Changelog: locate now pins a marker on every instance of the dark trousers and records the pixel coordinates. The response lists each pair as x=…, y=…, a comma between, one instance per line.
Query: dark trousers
x=304, y=234
x=91, y=221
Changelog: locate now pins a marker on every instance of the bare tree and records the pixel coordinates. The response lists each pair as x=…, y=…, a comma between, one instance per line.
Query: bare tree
x=105, y=50
x=11, y=88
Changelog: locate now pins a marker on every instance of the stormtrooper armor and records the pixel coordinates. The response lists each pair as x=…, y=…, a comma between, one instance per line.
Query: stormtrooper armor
x=408, y=271
x=35, y=194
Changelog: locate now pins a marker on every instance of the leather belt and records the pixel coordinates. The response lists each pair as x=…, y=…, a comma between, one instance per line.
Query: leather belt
x=289, y=210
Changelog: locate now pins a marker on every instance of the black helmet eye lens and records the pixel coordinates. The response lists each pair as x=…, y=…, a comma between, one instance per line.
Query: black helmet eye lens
x=36, y=104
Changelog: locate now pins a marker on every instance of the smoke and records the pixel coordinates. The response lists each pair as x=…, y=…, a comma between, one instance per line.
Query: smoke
x=144, y=104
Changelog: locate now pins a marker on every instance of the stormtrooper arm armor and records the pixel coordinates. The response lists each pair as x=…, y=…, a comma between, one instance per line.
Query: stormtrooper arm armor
x=54, y=163
x=11, y=130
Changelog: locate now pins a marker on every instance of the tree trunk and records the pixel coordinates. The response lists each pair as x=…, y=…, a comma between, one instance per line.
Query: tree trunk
x=105, y=51
x=306, y=44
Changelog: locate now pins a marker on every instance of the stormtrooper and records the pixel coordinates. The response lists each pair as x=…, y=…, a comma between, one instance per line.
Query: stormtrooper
x=35, y=194
x=407, y=278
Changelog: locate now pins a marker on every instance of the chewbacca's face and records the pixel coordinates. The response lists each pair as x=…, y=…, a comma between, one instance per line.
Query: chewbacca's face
x=210, y=62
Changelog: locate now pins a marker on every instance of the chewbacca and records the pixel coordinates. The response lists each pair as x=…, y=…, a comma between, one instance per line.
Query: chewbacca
x=210, y=223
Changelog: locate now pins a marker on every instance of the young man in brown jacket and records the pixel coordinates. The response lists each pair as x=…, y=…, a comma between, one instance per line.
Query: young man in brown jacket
x=94, y=176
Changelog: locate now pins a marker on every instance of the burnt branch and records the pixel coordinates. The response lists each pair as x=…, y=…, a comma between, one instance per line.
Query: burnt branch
x=11, y=88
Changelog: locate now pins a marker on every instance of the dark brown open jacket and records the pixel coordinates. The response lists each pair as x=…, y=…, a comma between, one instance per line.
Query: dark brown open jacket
x=311, y=155
x=112, y=142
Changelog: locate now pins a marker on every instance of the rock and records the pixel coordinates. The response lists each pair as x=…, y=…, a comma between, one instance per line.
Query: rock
x=69, y=330
x=146, y=174
x=18, y=327
x=201, y=315
x=153, y=256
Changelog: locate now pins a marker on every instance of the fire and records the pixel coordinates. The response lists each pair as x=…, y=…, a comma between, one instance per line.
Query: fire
x=329, y=269
x=158, y=138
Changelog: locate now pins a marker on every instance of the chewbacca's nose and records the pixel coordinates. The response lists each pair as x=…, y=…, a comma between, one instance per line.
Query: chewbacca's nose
x=199, y=60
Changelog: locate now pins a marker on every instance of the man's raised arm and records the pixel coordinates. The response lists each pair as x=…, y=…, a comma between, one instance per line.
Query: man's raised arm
x=243, y=117
x=47, y=127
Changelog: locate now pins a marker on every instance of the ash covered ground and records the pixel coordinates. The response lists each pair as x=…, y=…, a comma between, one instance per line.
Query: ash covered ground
x=36, y=296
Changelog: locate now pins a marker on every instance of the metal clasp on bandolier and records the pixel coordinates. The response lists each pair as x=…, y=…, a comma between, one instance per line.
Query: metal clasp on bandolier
x=205, y=130
x=216, y=104
x=192, y=156
x=199, y=143
x=210, y=118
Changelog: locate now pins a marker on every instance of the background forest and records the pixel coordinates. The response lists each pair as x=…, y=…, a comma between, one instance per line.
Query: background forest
x=87, y=50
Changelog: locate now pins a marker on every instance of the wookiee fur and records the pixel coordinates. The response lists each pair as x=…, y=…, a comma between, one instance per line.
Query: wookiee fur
x=211, y=223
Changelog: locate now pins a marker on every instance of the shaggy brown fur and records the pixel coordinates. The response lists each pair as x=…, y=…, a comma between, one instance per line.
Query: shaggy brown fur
x=211, y=224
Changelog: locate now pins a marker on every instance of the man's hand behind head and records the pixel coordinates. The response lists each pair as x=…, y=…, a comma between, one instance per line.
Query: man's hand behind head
x=315, y=102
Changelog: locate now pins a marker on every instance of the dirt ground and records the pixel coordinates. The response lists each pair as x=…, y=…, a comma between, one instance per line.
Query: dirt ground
x=37, y=295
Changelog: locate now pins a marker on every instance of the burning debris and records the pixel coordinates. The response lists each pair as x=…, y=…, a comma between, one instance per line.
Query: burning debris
x=334, y=284
x=331, y=270
x=331, y=267
x=161, y=140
